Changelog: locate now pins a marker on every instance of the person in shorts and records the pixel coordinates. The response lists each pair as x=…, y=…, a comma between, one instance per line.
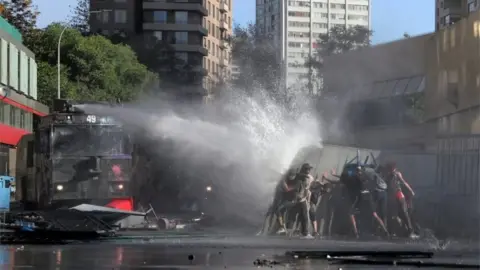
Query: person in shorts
x=360, y=197
x=400, y=207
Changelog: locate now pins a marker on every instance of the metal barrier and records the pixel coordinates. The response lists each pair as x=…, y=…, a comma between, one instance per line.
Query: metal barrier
x=457, y=180
x=446, y=182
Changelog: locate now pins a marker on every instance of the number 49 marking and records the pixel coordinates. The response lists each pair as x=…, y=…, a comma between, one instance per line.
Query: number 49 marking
x=91, y=119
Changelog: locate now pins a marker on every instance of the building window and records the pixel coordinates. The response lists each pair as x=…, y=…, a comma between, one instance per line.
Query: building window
x=159, y=16
x=2, y=118
x=297, y=14
x=158, y=35
x=13, y=116
x=320, y=25
x=22, y=119
x=19, y=76
x=181, y=37
x=357, y=17
x=105, y=16
x=472, y=7
x=357, y=7
x=338, y=6
x=298, y=24
x=319, y=5
x=181, y=17
x=120, y=16
x=447, y=20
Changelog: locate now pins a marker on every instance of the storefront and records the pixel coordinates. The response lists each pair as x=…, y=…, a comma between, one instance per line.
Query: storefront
x=18, y=94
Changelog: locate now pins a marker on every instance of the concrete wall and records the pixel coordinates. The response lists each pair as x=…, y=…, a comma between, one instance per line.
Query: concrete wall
x=391, y=61
x=453, y=77
x=402, y=58
x=450, y=58
x=414, y=137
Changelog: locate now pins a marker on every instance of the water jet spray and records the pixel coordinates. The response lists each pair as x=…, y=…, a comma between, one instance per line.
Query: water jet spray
x=241, y=144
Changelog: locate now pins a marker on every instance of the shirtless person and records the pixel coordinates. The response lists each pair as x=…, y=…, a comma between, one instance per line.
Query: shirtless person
x=400, y=208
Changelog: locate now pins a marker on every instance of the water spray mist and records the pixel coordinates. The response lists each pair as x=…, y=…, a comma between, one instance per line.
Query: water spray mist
x=246, y=142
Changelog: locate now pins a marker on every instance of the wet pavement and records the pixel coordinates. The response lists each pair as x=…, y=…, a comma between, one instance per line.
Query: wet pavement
x=200, y=251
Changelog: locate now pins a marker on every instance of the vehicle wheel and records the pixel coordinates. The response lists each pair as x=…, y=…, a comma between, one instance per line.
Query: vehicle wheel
x=163, y=224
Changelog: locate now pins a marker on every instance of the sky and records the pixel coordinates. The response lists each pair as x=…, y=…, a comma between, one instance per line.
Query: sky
x=390, y=18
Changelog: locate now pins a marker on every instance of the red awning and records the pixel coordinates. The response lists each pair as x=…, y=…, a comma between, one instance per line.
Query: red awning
x=11, y=135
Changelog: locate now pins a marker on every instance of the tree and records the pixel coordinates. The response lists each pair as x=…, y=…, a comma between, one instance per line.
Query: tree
x=259, y=61
x=22, y=14
x=92, y=67
x=339, y=39
x=47, y=83
x=81, y=16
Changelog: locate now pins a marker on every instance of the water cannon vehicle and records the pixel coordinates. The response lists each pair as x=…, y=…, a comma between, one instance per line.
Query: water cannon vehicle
x=77, y=162
x=83, y=162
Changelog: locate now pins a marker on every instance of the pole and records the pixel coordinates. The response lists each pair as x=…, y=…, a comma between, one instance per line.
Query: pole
x=58, y=60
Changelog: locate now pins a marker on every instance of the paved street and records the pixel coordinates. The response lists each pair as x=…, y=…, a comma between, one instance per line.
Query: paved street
x=196, y=250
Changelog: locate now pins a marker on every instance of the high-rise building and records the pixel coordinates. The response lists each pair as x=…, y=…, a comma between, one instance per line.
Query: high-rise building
x=296, y=25
x=196, y=29
x=448, y=12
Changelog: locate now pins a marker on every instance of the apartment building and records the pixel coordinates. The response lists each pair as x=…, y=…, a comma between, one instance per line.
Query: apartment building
x=295, y=25
x=448, y=12
x=197, y=30
x=18, y=94
x=235, y=70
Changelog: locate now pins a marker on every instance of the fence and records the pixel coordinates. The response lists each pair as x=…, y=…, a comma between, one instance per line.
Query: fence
x=446, y=182
x=458, y=177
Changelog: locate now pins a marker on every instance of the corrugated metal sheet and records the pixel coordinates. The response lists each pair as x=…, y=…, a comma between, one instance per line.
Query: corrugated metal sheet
x=457, y=179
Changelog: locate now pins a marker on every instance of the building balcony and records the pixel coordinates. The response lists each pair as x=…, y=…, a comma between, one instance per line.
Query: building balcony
x=193, y=48
x=223, y=44
x=223, y=62
x=153, y=26
x=223, y=6
x=200, y=70
x=183, y=5
x=223, y=25
x=195, y=70
x=451, y=12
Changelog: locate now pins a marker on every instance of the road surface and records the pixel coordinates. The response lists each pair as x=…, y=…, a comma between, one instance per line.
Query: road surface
x=203, y=251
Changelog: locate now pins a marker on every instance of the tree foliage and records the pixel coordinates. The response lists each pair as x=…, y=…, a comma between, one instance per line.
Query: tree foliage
x=342, y=39
x=81, y=16
x=337, y=40
x=47, y=83
x=92, y=67
x=259, y=61
x=22, y=14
